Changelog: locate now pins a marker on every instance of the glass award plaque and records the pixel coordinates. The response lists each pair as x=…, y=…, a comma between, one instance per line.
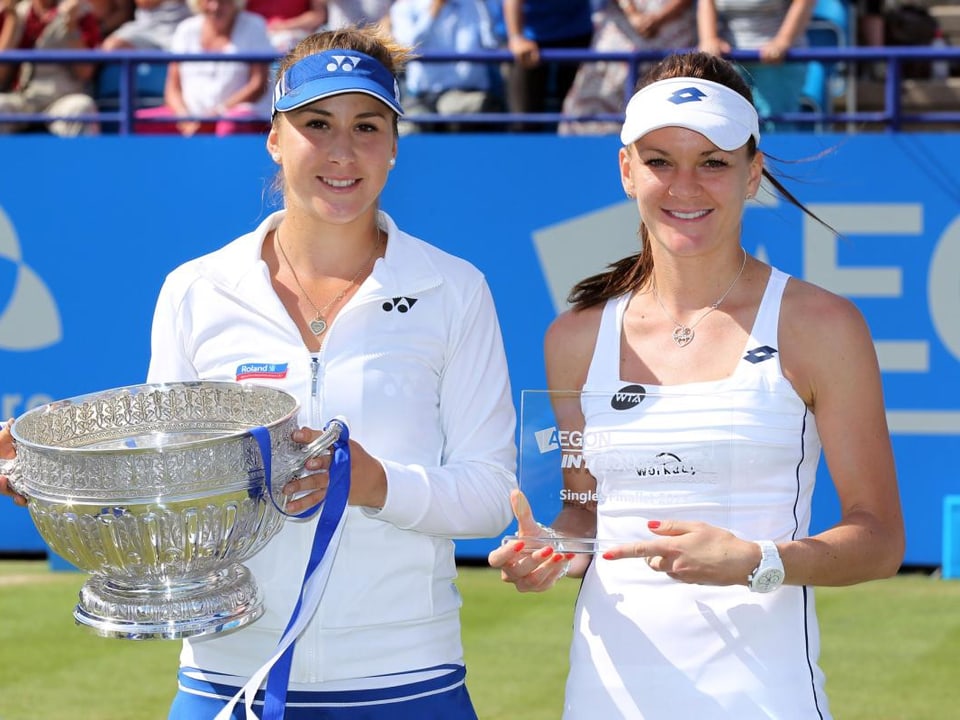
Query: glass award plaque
x=630, y=454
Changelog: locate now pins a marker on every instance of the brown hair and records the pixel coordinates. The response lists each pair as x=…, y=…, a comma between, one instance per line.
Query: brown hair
x=634, y=272
x=368, y=39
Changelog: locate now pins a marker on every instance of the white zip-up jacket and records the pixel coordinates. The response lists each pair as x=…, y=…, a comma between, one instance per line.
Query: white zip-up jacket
x=414, y=363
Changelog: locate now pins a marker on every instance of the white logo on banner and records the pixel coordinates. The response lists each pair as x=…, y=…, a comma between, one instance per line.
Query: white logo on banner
x=29, y=319
x=547, y=440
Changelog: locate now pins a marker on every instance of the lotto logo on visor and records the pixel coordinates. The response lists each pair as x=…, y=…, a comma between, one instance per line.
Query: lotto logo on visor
x=690, y=94
x=722, y=115
x=335, y=72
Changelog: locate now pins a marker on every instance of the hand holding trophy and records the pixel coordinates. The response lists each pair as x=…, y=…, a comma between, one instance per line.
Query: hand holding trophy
x=160, y=491
x=533, y=559
x=7, y=454
x=569, y=469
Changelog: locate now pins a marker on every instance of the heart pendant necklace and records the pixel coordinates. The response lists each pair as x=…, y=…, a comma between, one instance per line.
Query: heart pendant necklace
x=683, y=334
x=318, y=326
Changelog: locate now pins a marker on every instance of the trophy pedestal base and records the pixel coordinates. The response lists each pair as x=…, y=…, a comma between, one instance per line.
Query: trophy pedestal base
x=222, y=601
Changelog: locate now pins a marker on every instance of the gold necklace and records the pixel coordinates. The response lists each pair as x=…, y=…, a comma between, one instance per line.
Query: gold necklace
x=318, y=325
x=683, y=334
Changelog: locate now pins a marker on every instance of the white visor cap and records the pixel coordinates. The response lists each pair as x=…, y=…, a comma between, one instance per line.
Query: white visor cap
x=724, y=116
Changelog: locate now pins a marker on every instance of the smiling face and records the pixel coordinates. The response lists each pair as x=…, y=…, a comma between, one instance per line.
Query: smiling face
x=335, y=155
x=690, y=193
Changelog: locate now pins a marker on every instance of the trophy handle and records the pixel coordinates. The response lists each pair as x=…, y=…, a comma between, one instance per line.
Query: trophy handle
x=322, y=443
x=11, y=470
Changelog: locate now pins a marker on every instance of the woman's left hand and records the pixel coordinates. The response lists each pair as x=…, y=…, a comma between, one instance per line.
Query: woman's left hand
x=368, y=480
x=8, y=451
x=693, y=552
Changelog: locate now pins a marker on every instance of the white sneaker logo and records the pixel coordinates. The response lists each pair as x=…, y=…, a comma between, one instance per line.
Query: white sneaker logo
x=29, y=318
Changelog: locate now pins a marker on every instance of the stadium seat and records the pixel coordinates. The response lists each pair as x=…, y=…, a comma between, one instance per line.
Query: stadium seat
x=149, y=79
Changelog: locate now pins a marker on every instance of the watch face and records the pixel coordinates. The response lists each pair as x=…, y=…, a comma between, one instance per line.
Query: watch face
x=767, y=580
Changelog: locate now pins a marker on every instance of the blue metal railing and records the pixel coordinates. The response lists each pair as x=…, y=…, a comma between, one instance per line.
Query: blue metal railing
x=892, y=117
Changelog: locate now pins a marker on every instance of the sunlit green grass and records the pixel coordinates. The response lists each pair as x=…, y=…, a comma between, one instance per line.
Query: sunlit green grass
x=891, y=651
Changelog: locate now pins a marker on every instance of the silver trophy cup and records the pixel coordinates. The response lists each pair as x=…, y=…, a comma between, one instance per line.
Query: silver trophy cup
x=160, y=492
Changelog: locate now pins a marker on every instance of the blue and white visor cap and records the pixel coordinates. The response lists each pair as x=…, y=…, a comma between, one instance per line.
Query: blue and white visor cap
x=724, y=116
x=335, y=72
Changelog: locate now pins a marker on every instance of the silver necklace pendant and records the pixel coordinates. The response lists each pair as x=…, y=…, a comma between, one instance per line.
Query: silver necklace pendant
x=318, y=326
x=682, y=335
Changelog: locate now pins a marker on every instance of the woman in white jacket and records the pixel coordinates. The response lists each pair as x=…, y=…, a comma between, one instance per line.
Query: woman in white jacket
x=329, y=300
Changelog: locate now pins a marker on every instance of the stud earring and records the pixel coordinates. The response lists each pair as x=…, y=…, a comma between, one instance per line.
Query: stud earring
x=393, y=162
x=276, y=157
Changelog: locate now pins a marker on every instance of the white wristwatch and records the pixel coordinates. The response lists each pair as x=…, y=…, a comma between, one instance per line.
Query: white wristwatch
x=768, y=575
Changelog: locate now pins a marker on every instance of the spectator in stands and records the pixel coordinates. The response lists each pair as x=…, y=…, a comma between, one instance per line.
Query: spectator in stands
x=532, y=25
x=289, y=21
x=772, y=28
x=152, y=27
x=228, y=93
x=344, y=13
x=870, y=23
x=56, y=89
x=623, y=26
x=871, y=32
x=9, y=26
x=450, y=26
x=111, y=14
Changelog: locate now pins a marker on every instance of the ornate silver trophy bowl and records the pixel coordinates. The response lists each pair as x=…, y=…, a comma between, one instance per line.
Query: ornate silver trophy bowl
x=160, y=492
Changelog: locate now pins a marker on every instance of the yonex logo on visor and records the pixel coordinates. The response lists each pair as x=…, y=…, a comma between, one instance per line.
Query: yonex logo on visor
x=335, y=72
x=722, y=115
x=346, y=63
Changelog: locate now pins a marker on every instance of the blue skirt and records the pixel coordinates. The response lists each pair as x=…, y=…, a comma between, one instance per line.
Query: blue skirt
x=443, y=697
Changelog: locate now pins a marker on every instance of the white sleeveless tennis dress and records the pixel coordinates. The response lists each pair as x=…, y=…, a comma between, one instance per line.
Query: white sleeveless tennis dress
x=739, y=453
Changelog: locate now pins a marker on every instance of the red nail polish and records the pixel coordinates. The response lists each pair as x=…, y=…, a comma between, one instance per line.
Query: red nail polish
x=608, y=555
x=653, y=524
x=519, y=546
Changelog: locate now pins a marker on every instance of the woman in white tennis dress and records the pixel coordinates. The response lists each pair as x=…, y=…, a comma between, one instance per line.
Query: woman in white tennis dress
x=715, y=383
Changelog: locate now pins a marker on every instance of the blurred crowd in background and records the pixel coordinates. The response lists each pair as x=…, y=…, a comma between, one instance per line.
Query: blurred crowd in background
x=225, y=98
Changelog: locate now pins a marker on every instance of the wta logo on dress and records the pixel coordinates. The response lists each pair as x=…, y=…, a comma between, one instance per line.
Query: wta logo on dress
x=628, y=397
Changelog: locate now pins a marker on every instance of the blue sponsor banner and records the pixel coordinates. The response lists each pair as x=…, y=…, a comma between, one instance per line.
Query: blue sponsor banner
x=90, y=227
